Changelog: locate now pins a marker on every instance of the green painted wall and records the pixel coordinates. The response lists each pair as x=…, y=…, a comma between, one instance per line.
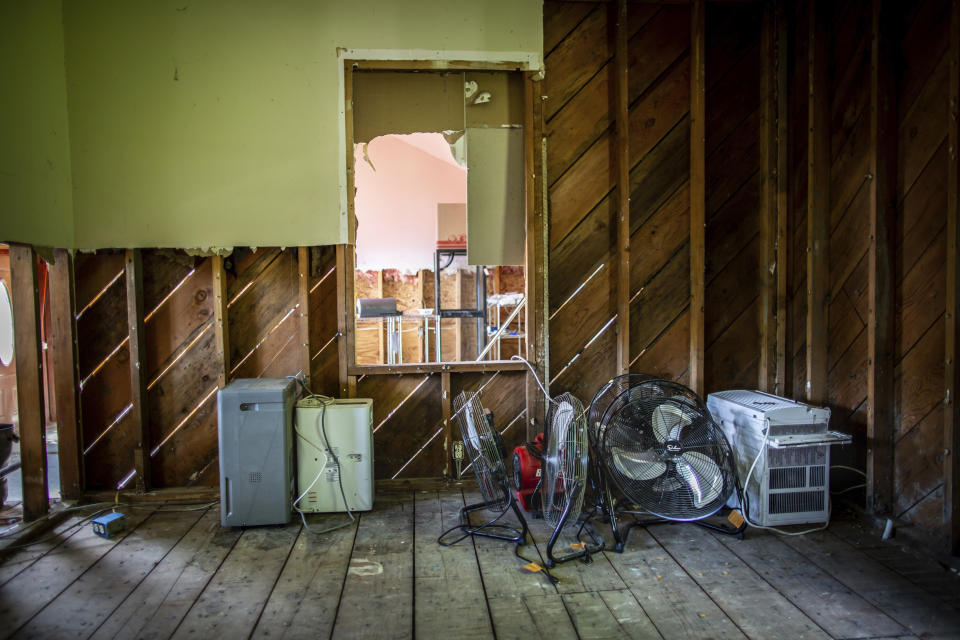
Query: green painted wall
x=35, y=199
x=215, y=123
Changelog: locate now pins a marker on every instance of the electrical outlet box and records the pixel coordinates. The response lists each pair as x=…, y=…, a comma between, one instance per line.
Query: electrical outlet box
x=109, y=525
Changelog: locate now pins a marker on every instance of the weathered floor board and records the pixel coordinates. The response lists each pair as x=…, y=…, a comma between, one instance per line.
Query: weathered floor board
x=749, y=601
x=897, y=597
x=926, y=573
x=110, y=580
x=20, y=559
x=41, y=582
x=671, y=598
x=304, y=602
x=161, y=601
x=532, y=616
x=377, y=598
x=446, y=578
x=178, y=573
x=840, y=611
x=232, y=601
x=595, y=620
x=521, y=604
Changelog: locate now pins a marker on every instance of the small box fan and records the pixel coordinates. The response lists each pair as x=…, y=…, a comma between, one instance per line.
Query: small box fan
x=657, y=445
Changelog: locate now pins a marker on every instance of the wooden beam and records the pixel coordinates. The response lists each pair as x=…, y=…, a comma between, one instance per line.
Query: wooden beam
x=422, y=340
x=352, y=382
x=536, y=282
x=345, y=314
x=951, y=430
x=32, y=414
x=818, y=202
x=220, y=325
x=698, y=190
x=139, y=414
x=381, y=324
x=622, y=263
x=348, y=124
x=781, y=382
x=345, y=253
x=772, y=90
x=437, y=65
x=458, y=322
x=880, y=306
x=66, y=376
x=482, y=366
x=303, y=265
x=445, y=401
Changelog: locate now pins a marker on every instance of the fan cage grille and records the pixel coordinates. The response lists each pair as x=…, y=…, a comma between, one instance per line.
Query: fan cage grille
x=484, y=448
x=665, y=453
x=566, y=455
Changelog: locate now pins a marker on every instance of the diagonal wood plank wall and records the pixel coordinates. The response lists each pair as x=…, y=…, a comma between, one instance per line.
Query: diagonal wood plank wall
x=920, y=39
x=579, y=43
x=920, y=267
x=181, y=352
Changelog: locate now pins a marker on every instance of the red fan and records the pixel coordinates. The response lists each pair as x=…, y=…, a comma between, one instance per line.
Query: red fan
x=526, y=475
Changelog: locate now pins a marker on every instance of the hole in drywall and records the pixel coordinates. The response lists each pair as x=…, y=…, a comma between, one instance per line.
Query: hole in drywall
x=437, y=164
x=402, y=181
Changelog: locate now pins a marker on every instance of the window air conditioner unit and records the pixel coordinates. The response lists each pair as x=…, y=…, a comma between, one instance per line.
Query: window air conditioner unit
x=790, y=442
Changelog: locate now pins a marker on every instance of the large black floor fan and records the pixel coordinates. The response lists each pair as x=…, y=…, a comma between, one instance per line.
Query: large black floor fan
x=657, y=445
x=566, y=455
x=486, y=454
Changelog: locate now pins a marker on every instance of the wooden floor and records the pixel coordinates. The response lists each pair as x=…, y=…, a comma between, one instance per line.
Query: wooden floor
x=179, y=574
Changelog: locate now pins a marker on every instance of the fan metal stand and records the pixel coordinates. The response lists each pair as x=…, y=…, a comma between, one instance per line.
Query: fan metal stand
x=586, y=550
x=620, y=534
x=491, y=529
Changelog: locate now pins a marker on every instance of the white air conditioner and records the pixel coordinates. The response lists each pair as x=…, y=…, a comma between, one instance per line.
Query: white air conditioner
x=790, y=483
x=348, y=425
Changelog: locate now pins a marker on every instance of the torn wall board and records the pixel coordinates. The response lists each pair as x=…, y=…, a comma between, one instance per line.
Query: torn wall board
x=387, y=102
x=504, y=105
x=495, y=200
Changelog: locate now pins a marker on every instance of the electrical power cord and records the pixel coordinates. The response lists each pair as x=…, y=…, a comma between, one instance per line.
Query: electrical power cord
x=325, y=401
x=854, y=487
x=468, y=530
x=535, y=377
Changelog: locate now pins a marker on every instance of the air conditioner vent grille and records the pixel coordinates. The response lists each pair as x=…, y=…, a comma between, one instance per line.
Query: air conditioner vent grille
x=788, y=478
x=796, y=456
x=818, y=476
x=795, y=502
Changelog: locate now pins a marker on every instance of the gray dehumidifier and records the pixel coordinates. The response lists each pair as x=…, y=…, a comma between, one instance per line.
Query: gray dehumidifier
x=256, y=451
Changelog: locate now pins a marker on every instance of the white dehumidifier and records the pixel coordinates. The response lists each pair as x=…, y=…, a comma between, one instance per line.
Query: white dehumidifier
x=344, y=454
x=790, y=443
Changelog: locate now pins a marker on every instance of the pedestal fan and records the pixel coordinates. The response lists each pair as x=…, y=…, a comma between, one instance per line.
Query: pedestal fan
x=485, y=449
x=566, y=455
x=656, y=443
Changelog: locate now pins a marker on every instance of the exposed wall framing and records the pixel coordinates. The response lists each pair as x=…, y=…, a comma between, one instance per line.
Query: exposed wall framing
x=824, y=251
x=25, y=298
x=820, y=166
